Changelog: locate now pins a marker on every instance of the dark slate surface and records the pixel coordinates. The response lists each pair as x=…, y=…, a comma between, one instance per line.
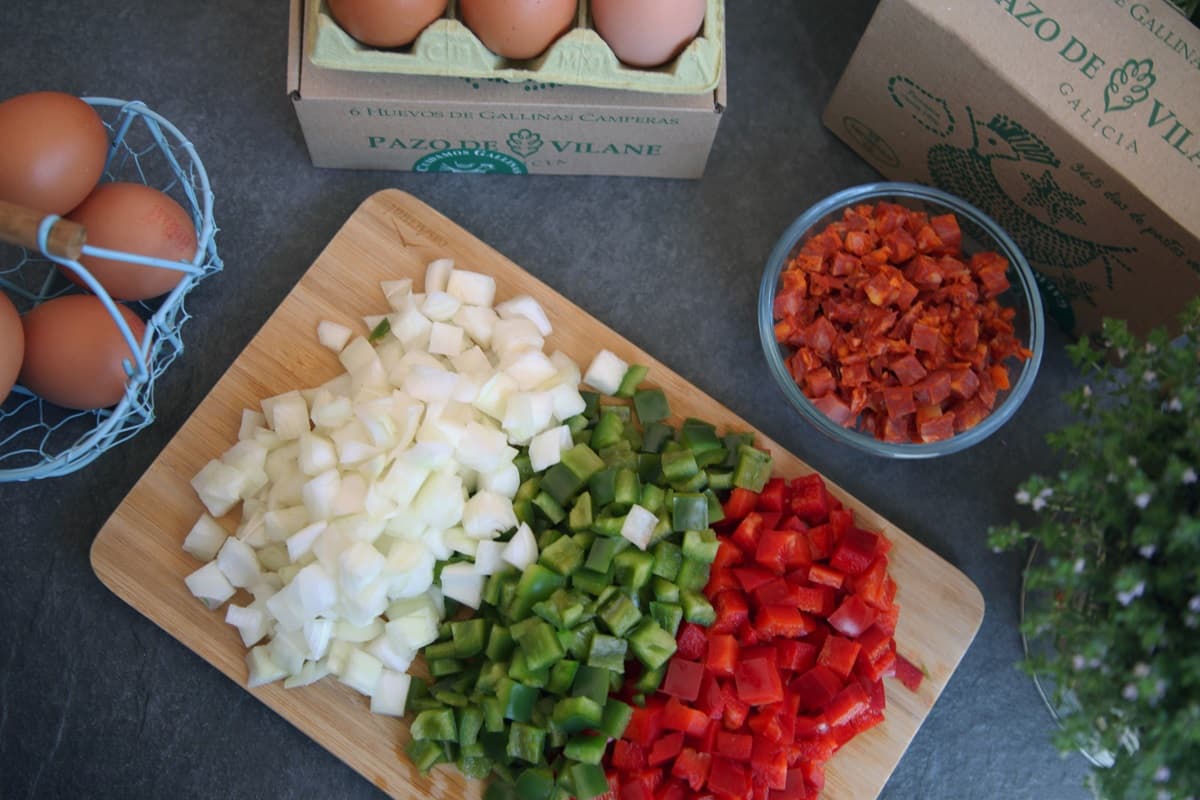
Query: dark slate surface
x=95, y=701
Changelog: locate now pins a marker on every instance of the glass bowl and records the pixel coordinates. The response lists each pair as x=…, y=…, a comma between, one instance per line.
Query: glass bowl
x=979, y=233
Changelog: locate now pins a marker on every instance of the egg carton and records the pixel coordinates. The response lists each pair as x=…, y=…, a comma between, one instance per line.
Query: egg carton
x=447, y=48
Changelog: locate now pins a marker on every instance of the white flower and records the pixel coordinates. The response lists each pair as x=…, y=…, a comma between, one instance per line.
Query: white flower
x=1189, y=476
x=1142, y=500
x=1147, y=550
x=1150, y=348
x=1194, y=604
x=1162, y=794
x=1078, y=662
x=1133, y=462
x=1138, y=590
x=1141, y=670
x=1080, y=565
x=1038, y=503
x=1175, y=405
x=1149, y=376
x=1162, y=774
x=1130, y=692
x=1122, y=352
x=1087, y=390
x=1191, y=621
x=1022, y=497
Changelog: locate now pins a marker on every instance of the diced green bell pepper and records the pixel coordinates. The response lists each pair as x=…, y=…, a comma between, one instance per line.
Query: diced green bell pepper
x=651, y=405
x=526, y=743
x=651, y=644
x=608, y=652
x=438, y=726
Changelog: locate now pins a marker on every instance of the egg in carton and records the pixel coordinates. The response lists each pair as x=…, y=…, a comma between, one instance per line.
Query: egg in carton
x=580, y=57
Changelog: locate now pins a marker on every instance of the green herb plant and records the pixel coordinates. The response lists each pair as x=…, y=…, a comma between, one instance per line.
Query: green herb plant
x=1119, y=536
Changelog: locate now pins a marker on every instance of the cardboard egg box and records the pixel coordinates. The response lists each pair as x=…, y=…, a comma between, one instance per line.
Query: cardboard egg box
x=447, y=48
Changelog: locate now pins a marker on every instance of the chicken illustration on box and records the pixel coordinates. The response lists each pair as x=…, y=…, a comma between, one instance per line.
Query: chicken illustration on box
x=970, y=173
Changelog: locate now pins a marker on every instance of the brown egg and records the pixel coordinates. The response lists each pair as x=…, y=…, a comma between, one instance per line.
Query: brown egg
x=647, y=33
x=385, y=23
x=74, y=350
x=52, y=150
x=134, y=219
x=518, y=29
x=12, y=345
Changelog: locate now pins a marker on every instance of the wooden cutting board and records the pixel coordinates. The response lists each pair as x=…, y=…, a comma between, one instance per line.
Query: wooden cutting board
x=392, y=235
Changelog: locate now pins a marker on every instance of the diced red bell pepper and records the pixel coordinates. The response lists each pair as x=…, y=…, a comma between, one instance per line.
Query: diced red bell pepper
x=790, y=522
x=628, y=756
x=734, y=746
x=909, y=673
x=814, y=776
x=799, y=553
x=736, y=709
x=816, y=687
x=823, y=575
x=853, y=617
x=746, y=534
x=678, y=717
x=854, y=551
x=750, y=578
x=769, y=765
x=887, y=619
x=691, y=642
x=765, y=651
x=876, y=692
x=795, y=656
x=758, y=681
x=728, y=555
x=645, y=724
x=728, y=778
x=711, y=701
x=841, y=520
x=848, y=704
x=863, y=722
x=732, y=612
x=874, y=643
x=820, y=541
x=774, y=550
x=794, y=789
x=722, y=654
x=708, y=740
x=810, y=726
x=672, y=790
x=767, y=724
x=870, y=585
x=665, y=749
x=740, y=503
x=720, y=580
x=683, y=679
x=809, y=499
x=636, y=790
x=817, y=749
x=772, y=622
x=771, y=497
x=692, y=767
x=777, y=592
x=820, y=600
x=839, y=654
x=876, y=668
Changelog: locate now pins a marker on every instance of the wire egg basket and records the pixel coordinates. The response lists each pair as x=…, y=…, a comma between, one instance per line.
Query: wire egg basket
x=39, y=439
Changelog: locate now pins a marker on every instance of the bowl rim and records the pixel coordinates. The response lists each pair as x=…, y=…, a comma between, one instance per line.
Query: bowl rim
x=899, y=190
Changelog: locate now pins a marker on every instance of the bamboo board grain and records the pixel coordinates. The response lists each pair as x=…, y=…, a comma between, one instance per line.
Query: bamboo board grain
x=137, y=553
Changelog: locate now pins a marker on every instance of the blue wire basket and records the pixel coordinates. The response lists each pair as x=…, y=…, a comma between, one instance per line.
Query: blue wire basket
x=39, y=439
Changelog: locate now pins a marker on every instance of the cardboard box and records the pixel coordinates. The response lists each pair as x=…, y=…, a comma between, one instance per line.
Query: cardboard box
x=1074, y=123
x=362, y=120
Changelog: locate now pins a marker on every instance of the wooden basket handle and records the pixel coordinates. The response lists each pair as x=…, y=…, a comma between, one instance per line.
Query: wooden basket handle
x=19, y=225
